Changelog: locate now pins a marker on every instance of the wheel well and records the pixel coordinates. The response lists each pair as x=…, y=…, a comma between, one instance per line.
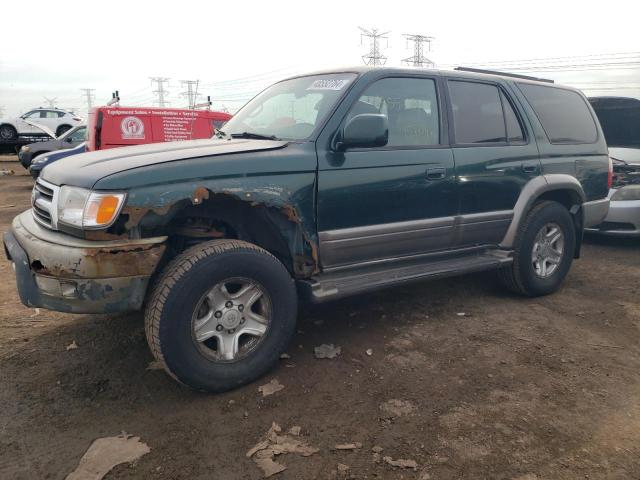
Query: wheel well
x=572, y=201
x=228, y=217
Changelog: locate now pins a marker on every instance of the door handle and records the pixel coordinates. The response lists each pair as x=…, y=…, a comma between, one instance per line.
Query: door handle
x=529, y=167
x=436, y=173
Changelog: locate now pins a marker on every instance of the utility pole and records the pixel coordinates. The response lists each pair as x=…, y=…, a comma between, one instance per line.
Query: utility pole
x=160, y=92
x=374, y=57
x=192, y=92
x=89, y=96
x=51, y=101
x=418, y=59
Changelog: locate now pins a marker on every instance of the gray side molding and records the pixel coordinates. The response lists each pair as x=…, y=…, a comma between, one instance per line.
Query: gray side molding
x=531, y=191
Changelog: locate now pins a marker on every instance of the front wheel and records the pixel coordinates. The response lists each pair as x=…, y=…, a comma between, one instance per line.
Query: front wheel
x=221, y=314
x=8, y=133
x=543, y=253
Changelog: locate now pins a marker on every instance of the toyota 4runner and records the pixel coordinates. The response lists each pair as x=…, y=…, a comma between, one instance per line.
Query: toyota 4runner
x=324, y=185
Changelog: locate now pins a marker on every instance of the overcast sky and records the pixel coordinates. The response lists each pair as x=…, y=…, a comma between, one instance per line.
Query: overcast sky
x=53, y=49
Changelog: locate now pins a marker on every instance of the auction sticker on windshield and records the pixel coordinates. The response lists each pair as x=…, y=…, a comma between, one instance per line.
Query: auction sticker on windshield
x=329, y=84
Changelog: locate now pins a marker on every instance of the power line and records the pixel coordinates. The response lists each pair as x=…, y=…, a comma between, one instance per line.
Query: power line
x=160, y=91
x=192, y=93
x=374, y=57
x=89, y=96
x=418, y=59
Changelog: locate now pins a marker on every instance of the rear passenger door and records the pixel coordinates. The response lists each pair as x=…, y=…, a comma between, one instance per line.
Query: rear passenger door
x=495, y=157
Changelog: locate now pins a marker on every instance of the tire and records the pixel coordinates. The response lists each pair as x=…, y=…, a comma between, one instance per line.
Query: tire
x=184, y=289
x=525, y=275
x=61, y=129
x=8, y=133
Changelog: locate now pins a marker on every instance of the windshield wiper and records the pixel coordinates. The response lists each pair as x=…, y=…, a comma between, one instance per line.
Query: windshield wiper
x=254, y=136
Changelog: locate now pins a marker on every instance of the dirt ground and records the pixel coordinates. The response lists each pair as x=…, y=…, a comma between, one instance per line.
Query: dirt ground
x=489, y=385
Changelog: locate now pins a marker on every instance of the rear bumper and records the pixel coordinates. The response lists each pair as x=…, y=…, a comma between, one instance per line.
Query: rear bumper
x=60, y=272
x=623, y=219
x=594, y=212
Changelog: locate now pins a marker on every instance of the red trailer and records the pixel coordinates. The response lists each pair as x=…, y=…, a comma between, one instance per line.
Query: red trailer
x=111, y=127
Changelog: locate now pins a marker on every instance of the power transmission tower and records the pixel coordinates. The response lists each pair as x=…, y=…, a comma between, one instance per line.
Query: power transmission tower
x=89, y=96
x=418, y=59
x=160, y=92
x=192, y=93
x=374, y=57
x=51, y=101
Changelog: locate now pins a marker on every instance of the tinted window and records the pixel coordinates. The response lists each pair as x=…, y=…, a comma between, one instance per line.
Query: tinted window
x=564, y=114
x=514, y=129
x=411, y=106
x=477, y=113
x=78, y=135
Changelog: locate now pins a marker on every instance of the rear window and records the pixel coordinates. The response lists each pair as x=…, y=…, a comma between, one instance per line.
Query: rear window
x=564, y=114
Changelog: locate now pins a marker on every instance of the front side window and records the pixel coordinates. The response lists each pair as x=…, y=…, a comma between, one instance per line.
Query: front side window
x=411, y=106
x=78, y=135
x=563, y=113
x=35, y=114
x=291, y=109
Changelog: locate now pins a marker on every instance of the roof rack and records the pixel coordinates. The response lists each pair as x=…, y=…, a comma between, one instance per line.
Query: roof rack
x=504, y=74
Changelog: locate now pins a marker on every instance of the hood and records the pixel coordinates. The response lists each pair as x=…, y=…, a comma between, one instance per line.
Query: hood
x=44, y=128
x=87, y=168
x=626, y=155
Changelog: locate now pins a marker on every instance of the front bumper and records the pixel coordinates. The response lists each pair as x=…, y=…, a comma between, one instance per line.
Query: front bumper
x=64, y=273
x=622, y=220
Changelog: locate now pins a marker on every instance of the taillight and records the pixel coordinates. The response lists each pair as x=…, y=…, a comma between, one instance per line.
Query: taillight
x=610, y=174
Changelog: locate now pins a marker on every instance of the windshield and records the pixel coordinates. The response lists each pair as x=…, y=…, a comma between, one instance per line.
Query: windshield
x=290, y=109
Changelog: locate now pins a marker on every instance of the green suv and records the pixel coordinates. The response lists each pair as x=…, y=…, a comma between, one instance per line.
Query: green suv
x=323, y=186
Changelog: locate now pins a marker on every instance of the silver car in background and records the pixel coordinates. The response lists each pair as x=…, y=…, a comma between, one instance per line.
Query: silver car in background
x=623, y=218
x=620, y=121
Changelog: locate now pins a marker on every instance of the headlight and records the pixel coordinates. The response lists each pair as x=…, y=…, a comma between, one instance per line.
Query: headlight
x=38, y=160
x=25, y=148
x=630, y=192
x=83, y=208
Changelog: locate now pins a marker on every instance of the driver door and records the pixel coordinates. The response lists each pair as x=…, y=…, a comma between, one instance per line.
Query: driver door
x=397, y=200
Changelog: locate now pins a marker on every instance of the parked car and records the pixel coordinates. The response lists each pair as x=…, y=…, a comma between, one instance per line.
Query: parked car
x=68, y=139
x=620, y=120
x=112, y=127
x=59, y=121
x=323, y=186
x=48, y=158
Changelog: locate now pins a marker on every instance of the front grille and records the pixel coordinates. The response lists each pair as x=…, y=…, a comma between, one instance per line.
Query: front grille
x=44, y=200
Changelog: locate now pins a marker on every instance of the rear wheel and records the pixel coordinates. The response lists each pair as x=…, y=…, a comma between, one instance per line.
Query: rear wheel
x=221, y=314
x=61, y=129
x=544, y=250
x=8, y=133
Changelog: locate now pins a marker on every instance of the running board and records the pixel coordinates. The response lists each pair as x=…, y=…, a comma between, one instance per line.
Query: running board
x=334, y=285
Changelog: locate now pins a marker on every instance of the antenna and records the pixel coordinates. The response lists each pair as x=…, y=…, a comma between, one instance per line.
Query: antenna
x=160, y=91
x=374, y=57
x=418, y=59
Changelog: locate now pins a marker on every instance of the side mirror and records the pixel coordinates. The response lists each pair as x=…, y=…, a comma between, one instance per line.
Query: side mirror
x=367, y=130
x=68, y=139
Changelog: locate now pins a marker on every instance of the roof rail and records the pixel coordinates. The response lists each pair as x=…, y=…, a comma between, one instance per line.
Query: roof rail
x=504, y=74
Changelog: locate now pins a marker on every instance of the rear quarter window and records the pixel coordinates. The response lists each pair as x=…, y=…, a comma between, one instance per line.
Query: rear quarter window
x=564, y=114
